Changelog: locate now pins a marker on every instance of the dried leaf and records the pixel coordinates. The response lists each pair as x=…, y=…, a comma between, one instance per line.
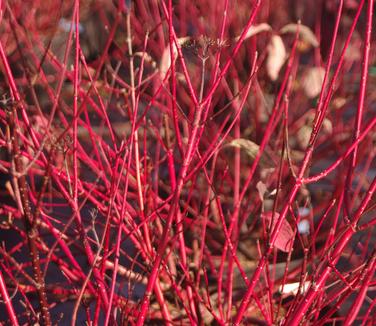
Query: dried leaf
x=293, y=288
x=276, y=57
x=166, y=56
x=305, y=33
x=207, y=316
x=303, y=136
x=353, y=52
x=285, y=237
x=250, y=147
x=327, y=127
x=262, y=190
x=264, y=27
x=147, y=57
x=312, y=81
x=339, y=102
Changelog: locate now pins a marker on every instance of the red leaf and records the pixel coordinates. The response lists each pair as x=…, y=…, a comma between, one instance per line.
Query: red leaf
x=285, y=237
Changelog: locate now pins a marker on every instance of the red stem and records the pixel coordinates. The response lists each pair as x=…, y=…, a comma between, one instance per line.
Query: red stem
x=7, y=301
